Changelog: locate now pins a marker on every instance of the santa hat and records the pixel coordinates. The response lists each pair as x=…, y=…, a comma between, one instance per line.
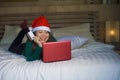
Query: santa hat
x=40, y=23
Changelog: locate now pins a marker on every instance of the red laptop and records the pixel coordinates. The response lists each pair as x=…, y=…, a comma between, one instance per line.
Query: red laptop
x=56, y=51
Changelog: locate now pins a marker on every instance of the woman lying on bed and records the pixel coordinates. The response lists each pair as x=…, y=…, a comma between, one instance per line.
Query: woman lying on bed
x=32, y=50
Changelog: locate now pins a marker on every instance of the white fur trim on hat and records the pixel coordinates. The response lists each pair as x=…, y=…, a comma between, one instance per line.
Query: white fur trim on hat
x=41, y=28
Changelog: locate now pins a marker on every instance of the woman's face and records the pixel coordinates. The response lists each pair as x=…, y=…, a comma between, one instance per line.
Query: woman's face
x=43, y=35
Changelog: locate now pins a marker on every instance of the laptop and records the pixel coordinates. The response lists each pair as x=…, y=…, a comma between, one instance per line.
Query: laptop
x=56, y=51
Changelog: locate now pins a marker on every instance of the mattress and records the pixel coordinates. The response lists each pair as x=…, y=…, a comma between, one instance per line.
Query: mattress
x=94, y=61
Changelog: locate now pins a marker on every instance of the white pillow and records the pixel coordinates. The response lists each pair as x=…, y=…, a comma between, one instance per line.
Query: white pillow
x=76, y=41
x=10, y=34
x=82, y=30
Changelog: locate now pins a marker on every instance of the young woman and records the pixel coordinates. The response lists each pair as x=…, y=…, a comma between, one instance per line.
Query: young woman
x=32, y=50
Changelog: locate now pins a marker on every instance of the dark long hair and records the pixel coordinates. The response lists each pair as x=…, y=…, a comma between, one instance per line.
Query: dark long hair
x=51, y=38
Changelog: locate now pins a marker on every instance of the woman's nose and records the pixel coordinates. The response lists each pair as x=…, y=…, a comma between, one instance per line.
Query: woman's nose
x=43, y=35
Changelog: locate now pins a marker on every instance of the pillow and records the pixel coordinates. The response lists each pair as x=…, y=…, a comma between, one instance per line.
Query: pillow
x=76, y=41
x=10, y=34
x=82, y=30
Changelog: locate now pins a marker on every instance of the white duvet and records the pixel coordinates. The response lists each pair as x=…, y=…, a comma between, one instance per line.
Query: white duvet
x=95, y=61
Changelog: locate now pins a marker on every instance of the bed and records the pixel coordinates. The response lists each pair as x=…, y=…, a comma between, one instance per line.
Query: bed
x=91, y=59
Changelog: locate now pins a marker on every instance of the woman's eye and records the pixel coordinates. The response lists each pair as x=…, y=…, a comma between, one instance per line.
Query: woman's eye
x=46, y=32
x=40, y=31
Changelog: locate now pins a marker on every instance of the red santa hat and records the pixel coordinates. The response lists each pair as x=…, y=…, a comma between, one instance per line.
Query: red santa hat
x=40, y=23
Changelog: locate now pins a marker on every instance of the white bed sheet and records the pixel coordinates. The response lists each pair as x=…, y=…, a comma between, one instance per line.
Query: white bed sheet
x=95, y=61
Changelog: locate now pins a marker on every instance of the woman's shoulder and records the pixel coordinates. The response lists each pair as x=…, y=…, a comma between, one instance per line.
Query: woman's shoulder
x=29, y=42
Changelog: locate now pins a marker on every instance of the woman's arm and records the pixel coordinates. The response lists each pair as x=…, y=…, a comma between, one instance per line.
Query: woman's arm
x=30, y=54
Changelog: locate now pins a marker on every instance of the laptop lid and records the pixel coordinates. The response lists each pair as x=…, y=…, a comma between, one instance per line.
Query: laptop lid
x=56, y=51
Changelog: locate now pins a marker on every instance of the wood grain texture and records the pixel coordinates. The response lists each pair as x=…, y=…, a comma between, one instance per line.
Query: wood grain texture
x=58, y=19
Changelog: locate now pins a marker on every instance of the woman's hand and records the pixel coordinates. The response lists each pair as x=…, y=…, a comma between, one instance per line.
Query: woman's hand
x=38, y=41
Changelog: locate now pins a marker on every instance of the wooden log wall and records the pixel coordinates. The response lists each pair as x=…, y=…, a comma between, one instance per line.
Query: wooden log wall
x=57, y=20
